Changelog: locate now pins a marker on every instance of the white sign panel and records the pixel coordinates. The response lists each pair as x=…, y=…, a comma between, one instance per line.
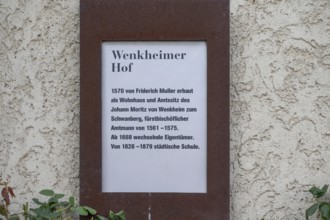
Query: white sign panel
x=154, y=117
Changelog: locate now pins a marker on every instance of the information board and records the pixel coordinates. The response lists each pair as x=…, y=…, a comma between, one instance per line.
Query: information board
x=154, y=116
x=154, y=108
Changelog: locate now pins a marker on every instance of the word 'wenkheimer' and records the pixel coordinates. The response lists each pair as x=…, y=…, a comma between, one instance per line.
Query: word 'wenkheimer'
x=141, y=55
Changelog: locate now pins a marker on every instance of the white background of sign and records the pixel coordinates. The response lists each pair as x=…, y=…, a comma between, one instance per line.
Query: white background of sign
x=155, y=170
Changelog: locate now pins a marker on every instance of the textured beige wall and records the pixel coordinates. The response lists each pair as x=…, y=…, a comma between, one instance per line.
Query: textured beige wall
x=39, y=90
x=280, y=101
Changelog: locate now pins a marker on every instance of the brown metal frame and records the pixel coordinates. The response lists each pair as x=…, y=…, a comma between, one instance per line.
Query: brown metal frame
x=156, y=20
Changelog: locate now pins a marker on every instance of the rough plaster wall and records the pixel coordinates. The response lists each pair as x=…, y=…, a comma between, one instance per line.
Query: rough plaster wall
x=280, y=104
x=39, y=90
